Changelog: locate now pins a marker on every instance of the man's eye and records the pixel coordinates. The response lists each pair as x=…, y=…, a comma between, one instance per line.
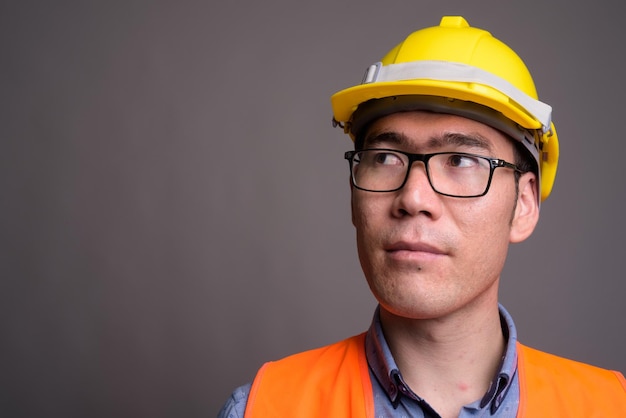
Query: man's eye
x=463, y=161
x=387, y=158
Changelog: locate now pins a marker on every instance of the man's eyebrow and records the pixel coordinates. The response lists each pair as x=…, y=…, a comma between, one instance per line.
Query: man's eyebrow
x=447, y=139
x=390, y=137
x=472, y=140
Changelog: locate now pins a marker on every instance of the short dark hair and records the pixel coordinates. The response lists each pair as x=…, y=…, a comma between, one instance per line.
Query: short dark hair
x=523, y=159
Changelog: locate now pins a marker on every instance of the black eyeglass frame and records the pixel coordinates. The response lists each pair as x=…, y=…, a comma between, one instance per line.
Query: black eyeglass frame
x=493, y=164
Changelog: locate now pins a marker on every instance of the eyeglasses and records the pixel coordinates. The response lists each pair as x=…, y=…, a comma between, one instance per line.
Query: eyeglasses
x=455, y=174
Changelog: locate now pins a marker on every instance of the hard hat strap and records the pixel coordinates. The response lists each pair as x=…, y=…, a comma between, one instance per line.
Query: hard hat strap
x=458, y=72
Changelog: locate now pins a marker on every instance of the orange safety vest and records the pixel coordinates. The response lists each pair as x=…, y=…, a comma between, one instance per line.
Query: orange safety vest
x=334, y=381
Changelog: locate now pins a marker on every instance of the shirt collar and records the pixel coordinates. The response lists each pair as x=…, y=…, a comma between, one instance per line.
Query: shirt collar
x=384, y=368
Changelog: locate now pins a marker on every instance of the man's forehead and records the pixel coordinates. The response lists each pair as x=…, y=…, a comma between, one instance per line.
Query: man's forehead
x=433, y=130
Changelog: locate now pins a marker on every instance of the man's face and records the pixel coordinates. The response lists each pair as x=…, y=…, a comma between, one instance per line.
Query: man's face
x=426, y=255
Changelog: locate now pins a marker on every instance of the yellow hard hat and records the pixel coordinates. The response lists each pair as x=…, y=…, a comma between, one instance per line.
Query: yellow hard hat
x=454, y=68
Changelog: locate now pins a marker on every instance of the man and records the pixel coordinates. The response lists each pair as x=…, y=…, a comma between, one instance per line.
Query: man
x=453, y=155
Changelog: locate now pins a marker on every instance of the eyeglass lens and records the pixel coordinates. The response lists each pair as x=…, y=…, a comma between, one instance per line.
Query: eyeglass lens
x=454, y=174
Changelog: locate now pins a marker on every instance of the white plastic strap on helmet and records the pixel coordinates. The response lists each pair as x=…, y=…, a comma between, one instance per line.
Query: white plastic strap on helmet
x=458, y=72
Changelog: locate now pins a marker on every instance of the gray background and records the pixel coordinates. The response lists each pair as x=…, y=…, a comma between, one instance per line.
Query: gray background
x=174, y=202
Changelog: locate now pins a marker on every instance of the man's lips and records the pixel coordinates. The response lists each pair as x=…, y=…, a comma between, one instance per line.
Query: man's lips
x=413, y=250
x=414, y=246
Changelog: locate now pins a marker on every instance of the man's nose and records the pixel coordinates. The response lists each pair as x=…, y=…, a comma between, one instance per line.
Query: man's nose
x=417, y=195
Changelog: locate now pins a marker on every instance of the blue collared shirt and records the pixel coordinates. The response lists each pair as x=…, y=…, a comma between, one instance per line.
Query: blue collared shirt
x=394, y=398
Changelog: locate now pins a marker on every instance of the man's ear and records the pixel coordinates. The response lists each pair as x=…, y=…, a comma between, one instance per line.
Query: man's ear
x=526, y=213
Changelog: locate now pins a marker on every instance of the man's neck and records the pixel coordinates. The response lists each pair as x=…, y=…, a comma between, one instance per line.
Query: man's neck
x=448, y=361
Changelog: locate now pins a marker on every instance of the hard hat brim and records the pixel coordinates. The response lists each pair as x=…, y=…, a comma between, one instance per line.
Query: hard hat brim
x=346, y=102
